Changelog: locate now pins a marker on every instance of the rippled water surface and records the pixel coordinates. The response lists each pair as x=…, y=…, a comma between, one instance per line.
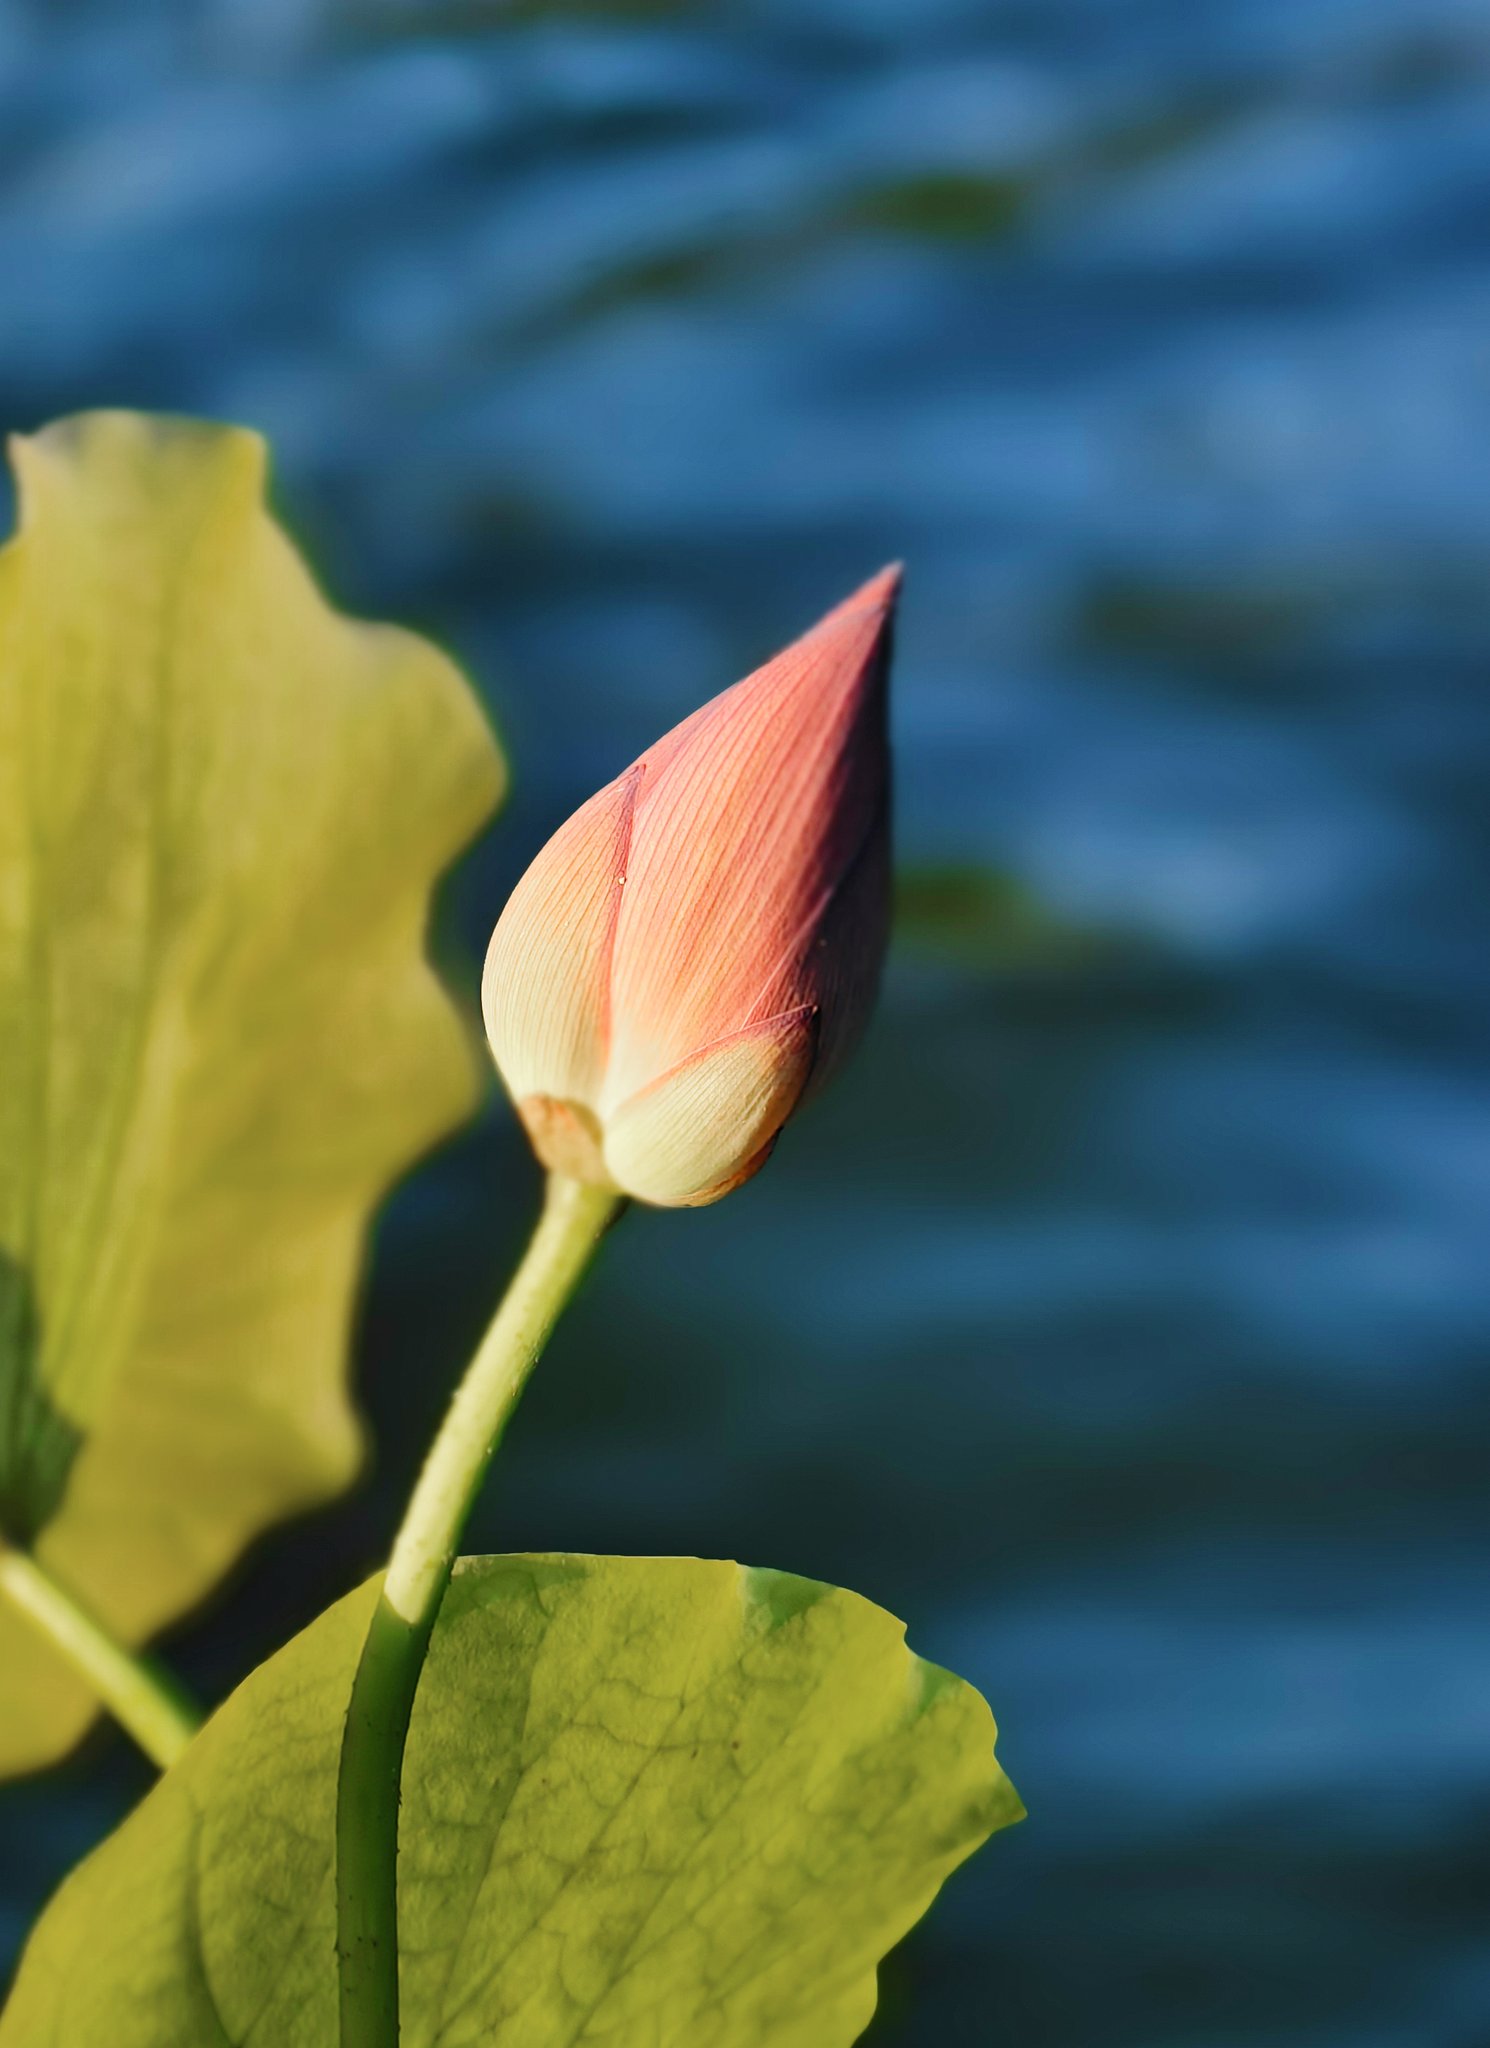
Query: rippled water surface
x=1121, y=1320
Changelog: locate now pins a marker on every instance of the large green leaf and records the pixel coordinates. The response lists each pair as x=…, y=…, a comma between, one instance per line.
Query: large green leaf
x=222, y=807
x=649, y=1802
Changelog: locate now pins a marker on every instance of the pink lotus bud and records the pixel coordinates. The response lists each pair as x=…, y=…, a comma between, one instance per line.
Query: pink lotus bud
x=701, y=941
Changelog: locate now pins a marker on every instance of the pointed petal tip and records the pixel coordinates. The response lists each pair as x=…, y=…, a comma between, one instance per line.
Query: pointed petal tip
x=879, y=594
x=872, y=604
x=884, y=587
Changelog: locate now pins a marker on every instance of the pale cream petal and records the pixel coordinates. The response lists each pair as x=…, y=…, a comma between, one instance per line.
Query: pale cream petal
x=687, y=1137
x=749, y=816
x=545, y=991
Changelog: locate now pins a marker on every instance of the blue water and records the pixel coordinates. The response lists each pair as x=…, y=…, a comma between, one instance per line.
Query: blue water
x=1121, y=1321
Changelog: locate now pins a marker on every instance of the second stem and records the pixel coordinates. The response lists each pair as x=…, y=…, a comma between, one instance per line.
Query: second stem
x=135, y=1690
x=574, y=1219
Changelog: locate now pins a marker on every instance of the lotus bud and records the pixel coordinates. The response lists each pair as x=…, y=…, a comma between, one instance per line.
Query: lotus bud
x=699, y=945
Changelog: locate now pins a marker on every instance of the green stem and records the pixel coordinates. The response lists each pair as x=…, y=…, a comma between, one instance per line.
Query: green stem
x=142, y=1699
x=574, y=1219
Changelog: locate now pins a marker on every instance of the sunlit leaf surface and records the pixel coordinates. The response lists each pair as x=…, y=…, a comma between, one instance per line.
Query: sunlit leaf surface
x=222, y=807
x=648, y=1802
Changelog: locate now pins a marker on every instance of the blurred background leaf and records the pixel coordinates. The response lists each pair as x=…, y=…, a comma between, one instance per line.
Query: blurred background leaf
x=222, y=808
x=989, y=922
x=644, y=1799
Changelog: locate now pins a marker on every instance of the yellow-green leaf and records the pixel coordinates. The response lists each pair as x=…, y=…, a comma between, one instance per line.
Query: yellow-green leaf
x=222, y=808
x=647, y=1802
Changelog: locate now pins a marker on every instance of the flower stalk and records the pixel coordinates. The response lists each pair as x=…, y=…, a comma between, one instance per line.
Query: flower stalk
x=574, y=1219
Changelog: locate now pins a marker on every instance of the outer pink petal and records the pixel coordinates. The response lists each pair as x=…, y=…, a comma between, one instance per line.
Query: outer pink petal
x=545, y=991
x=705, y=1126
x=748, y=817
x=841, y=974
